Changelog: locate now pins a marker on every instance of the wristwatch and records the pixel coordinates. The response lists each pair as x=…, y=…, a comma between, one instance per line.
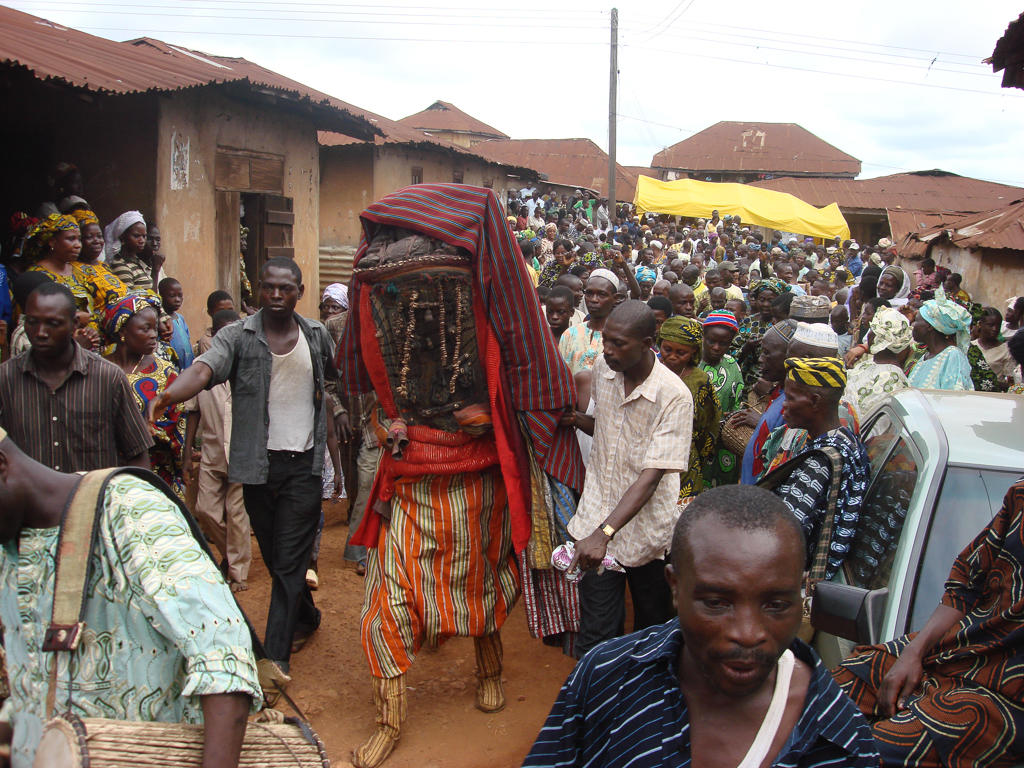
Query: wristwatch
x=607, y=530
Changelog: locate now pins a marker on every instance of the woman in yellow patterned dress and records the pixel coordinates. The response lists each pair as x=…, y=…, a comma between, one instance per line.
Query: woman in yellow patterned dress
x=132, y=322
x=54, y=244
x=679, y=348
x=105, y=288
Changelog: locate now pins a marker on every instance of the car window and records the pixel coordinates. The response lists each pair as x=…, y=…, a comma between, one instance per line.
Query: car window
x=882, y=515
x=879, y=436
x=967, y=503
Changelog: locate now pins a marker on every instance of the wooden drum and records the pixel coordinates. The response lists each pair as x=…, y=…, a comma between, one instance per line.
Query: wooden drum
x=72, y=742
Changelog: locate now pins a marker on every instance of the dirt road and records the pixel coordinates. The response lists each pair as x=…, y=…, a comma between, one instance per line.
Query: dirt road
x=444, y=730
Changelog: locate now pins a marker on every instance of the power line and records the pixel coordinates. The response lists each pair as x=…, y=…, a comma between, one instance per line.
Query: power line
x=150, y=31
x=788, y=34
x=929, y=58
x=519, y=10
x=824, y=72
x=504, y=24
x=673, y=21
x=832, y=56
x=652, y=122
x=652, y=27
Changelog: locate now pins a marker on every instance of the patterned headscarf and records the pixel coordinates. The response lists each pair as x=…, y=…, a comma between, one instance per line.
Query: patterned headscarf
x=338, y=292
x=116, y=228
x=947, y=317
x=682, y=330
x=828, y=372
x=646, y=275
x=43, y=231
x=84, y=216
x=120, y=313
x=722, y=317
x=773, y=284
x=890, y=330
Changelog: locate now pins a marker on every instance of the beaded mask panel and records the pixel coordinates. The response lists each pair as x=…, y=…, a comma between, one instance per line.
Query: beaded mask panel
x=422, y=309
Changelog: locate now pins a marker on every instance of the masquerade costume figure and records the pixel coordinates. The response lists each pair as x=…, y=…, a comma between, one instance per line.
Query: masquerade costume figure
x=446, y=329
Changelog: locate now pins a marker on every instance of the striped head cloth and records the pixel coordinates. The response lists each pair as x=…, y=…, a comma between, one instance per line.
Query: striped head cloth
x=828, y=372
x=722, y=317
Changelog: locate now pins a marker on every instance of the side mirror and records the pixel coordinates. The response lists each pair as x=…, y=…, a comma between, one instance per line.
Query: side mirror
x=849, y=612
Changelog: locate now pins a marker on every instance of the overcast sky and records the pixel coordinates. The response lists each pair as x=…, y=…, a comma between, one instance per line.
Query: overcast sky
x=899, y=85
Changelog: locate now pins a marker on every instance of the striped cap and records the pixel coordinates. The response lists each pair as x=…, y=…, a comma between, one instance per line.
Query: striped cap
x=826, y=372
x=721, y=317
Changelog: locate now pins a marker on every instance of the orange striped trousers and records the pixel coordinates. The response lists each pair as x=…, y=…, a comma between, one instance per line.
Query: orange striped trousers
x=443, y=567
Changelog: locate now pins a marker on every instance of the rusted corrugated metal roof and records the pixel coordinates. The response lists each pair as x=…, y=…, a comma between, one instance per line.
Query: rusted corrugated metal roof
x=903, y=222
x=575, y=162
x=757, y=148
x=55, y=52
x=1009, y=55
x=1002, y=228
x=398, y=135
x=921, y=190
x=443, y=116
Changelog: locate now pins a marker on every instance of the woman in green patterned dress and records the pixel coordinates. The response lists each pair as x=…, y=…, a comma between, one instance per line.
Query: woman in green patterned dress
x=720, y=328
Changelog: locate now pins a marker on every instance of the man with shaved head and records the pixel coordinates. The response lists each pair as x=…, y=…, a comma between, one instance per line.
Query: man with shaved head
x=683, y=301
x=724, y=683
x=642, y=426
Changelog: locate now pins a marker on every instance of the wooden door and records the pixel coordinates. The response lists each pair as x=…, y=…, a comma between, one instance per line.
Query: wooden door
x=270, y=219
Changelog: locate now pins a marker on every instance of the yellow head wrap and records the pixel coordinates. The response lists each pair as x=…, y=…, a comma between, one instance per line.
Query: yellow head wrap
x=828, y=372
x=84, y=217
x=43, y=231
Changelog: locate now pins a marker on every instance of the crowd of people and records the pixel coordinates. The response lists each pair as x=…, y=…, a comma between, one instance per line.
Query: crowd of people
x=658, y=369
x=782, y=345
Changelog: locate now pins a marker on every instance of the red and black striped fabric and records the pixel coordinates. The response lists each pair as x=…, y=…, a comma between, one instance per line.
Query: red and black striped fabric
x=539, y=384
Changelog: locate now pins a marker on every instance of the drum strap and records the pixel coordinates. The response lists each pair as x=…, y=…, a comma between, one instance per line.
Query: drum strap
x=75, y=543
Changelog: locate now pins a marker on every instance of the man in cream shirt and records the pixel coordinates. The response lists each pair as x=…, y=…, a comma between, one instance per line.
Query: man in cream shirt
x=642, y=426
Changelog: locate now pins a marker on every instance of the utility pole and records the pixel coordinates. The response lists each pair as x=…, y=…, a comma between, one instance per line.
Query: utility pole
x=612, y=99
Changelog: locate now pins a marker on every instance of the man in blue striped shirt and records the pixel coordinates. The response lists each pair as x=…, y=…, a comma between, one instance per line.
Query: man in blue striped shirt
x=727, y=683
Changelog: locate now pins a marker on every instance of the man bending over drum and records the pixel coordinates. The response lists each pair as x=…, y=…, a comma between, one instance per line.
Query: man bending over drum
x=163, y=638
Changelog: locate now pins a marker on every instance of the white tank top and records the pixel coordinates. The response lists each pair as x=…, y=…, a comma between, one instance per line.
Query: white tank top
x=291, y=400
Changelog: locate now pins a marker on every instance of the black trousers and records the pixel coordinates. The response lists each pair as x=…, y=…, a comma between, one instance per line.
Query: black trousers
x=284, y=513
x=603, y=603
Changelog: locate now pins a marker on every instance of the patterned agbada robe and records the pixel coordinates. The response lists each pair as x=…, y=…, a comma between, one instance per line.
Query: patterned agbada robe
x=971, y=706
x=162, y=628
x=460, y=506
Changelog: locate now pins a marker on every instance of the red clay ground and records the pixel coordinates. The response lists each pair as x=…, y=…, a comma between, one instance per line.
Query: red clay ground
x=331, y=681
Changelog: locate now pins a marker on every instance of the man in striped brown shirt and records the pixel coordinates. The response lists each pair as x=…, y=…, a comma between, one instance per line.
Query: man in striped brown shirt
x=66, y=407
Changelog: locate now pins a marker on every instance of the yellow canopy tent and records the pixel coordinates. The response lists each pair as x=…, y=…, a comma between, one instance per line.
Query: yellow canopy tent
x=764, y=207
